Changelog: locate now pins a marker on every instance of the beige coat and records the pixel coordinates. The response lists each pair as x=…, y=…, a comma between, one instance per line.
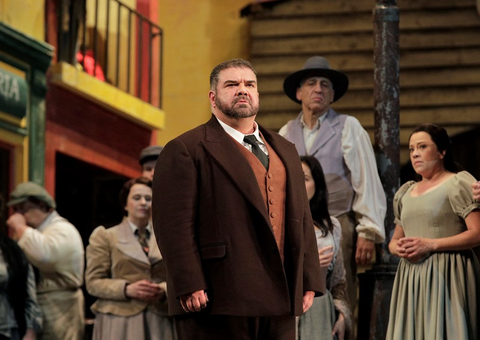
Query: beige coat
x=115, y=258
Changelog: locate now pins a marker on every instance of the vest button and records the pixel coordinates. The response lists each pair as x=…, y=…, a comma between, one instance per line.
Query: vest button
x=270, y=175
x=272, y=201
x=270, y=188
x=273, y=215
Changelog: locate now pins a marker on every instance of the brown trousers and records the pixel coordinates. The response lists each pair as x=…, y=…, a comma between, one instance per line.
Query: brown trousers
x=199, y=326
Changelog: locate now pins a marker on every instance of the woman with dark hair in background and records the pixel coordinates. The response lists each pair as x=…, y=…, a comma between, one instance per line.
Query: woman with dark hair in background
x=126, y=272
x=330, y=315
x=436, y=292
x=20, y=316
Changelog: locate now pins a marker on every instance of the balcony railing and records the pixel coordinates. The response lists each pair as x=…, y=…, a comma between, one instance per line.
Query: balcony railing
x=114, y=43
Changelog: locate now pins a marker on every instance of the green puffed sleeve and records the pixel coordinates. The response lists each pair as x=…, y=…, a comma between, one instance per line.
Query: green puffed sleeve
x=460, y=194
x=397, y=201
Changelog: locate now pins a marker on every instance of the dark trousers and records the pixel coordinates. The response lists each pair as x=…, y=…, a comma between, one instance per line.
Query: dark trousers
x=199, y=326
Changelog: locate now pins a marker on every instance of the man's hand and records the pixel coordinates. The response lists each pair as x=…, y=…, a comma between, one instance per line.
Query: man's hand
x=365, y=249
x=194, y=302
x=308, y=300
x=17, y=225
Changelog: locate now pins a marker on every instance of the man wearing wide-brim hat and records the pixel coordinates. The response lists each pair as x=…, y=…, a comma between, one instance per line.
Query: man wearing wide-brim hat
x=344, y=150
x=54, y=246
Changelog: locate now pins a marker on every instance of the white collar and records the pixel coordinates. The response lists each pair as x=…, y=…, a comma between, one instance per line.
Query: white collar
x=134, y=227
x=45, y=223
x=237, y=135
x=319, y=120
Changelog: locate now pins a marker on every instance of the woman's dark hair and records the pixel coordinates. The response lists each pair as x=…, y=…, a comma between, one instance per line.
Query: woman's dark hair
x=319, y=201
x=128, y=185
x=17, y=266
x=442, y=141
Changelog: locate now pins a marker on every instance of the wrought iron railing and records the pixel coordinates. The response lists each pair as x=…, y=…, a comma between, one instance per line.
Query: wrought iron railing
x=114, y=43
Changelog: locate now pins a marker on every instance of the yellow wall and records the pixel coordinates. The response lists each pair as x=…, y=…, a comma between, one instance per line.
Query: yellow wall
x=197, y=36
x=26, y=16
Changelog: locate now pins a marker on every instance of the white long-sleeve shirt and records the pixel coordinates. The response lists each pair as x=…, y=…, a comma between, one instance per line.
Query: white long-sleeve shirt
x=56, y=249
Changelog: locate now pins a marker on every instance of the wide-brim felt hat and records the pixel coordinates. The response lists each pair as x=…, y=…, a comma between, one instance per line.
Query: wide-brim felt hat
x=30, y=189
x=316, y=66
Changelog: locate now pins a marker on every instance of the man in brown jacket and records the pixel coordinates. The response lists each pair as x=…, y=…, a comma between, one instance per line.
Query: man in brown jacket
x=233, y=221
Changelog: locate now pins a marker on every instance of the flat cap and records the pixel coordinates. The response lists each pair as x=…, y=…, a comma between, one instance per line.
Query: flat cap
x=30, y=189
x=150, y=153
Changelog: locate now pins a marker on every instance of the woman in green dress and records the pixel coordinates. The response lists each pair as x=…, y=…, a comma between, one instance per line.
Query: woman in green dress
x=436, y=293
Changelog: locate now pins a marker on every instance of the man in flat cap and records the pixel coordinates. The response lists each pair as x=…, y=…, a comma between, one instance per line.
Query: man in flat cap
x=344, y=150
x=54, y=247
x=148, y=159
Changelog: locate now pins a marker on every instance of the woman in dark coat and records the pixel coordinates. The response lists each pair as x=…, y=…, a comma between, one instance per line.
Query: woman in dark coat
x=20, y=316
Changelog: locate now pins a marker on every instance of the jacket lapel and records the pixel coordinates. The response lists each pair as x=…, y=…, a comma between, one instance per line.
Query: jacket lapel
x=326, y=131
x=223, y=149
x=128, y=244
x=153, y=253
x=295, y=135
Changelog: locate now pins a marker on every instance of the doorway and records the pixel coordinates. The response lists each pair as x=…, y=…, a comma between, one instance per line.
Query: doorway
x=87, y=196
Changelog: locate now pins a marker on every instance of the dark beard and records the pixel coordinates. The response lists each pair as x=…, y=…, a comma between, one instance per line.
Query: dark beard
x=244, y=111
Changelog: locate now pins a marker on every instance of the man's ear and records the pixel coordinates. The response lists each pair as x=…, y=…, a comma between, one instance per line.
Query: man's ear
x=211, y=96
x=298, y=94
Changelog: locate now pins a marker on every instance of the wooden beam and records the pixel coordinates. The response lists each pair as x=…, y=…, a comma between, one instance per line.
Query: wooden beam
x=356, y=23
x=363, y=80
x=284, y=65
x=319, y=7
x=361, y=42
x=363, y=99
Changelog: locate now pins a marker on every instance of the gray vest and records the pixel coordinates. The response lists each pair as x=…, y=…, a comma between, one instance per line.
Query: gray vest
x=327, y=149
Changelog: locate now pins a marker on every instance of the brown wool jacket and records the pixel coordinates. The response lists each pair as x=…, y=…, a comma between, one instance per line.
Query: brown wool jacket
x=214, y=232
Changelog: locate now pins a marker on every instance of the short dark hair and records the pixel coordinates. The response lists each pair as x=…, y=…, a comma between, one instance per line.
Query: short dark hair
x=440, y=137
x=233, y=63
x=126, y=189
x=319, y=201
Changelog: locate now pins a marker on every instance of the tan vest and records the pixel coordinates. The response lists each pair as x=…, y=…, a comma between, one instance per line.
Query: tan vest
x=272, y=185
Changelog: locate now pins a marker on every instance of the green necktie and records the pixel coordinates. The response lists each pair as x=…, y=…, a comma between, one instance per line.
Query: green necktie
x=262, y=157
x=143, y=239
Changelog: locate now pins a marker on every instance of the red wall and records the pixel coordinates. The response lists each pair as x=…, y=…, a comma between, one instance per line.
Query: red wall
x=79, y=128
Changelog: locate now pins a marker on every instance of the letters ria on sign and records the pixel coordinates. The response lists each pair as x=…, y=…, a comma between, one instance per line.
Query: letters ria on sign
x=13, y=94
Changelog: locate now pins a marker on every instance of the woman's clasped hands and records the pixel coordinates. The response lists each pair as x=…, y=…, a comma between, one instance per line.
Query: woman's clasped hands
x=414, y=249
x=145, y=290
